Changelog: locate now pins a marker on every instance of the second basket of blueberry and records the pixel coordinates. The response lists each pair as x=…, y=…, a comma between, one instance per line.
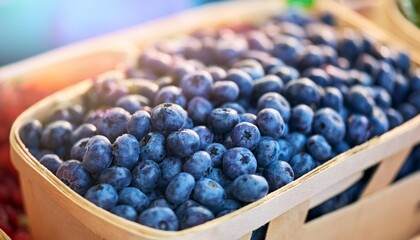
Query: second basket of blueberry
x=210, y=122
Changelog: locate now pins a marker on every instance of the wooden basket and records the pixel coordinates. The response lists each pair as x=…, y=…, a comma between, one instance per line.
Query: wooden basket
x=56, y=212
x=388, y=16
x=3, y=235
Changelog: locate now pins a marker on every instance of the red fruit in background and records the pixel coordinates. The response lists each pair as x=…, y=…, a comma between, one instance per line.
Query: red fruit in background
x=4, y=193
x=13, y=214
x=5, y=161
x=21, y=235
x=6, y=228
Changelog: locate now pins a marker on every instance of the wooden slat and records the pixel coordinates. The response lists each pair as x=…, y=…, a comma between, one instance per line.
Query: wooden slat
x=386, y=172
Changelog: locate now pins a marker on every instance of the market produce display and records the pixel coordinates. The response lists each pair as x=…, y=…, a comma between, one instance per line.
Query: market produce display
x=210, y=122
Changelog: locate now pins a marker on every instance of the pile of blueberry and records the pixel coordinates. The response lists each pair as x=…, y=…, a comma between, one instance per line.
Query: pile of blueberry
x=213, y=121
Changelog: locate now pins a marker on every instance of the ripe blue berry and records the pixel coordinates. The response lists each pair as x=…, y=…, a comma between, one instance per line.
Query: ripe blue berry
x=250, y=188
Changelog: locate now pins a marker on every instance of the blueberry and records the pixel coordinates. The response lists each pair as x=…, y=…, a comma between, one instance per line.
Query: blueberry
x=235, y=106
x=126, y=150
x=160, y=202
x=408, y=111
x=145, y=88
x=359, y=100
x=132, y=103
x=169, y=167
x=385, y=77
x=250, y=188
x=328, y=18
x=85, y=130
x=56, y=134
x=394, y=118
x=161, y=218
x=268, y=83
x=311, y=57
x=250, y=66
x=183, y=143
x=382, y=98
x=217, y=73
x=146, y=176
x=238, y=161
x=319, y=148
x=208, y=192
x=78, y=149
x=341, y=147
x=302, y=91
x=367, y=64
x=276, y=101
x=179, y=188
x=359, y=77
x=197, y=84
x=170, y=94
x=108, y=87
x=245, y=135
x=288, y=49
x=332, y=98
x=267, y=151
x=402, y=61
x=301, y=119
x=242, y=79
x=378, y=121
x=259, y=41
x=117, y=177
x=248, y=117
x=133, y=197
x=217, y=175
x=139, y=124
x=98, y=154
x=167, y=117
x=297, y=140
x=285, y=150
x=102, y=195
x=358, y=129
x=199, y=109
x=414, y=99
x=415, y=80
x=222, y=120
x=329, y=123
x=350, y=45
x=125, y=211
x=285, y=73
x=318, y=76
x=301, y=164
x=227, y=206
x=182, y=208
x=113, y=123
x=179, y=70
x=51, y=161
x=71, y=113
x=152, y=147
x=30, y=133
x=73, y=174
x=205, y=135
x=216, y=152
x=270, y=123
x=198, y=165
x=194, y=216
x=401, y=89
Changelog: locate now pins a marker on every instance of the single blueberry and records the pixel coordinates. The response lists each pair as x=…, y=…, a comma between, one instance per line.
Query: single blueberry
x=408, y=111
x=301, y=119
x=367, y=63
x=85, y=130
x=139, y=124
x=169, y=167
x=329, y=124
x=217, y=73
x=318, y=76
x=378, y=121
x=267, y=151
x=199, y=109
x=98, y=155
x=401, y=89
x=238, y=161
x=285, y=73
x=222, y=120
x=288, y=49
x=350, y=44
x=285, y=150
x=311, y=57
x=297, y=140
x=167, y=117
x=358, y=129
x=208, y=192
x=56, y=134
x=414, y=99
x=113, y=123
x=248, y=117
x=194, y=216
x=332, y=98
x=216, y=152
x=276, y=101
x=319, y=148
x=182, y=208
x=197, y=84
x=301, y=164
x=161, y=218
x=385, y=77
x=51, y=161
x=198, y=164
x=73, y=174
x=132, y=103
x=117, y=177
x=146, y=176
x=278, y=173
x=270, y=123
x=242, y=79
x=205, y=135
x=133, y=197
x=250, y=66
x=170, y=94
x=183, y=143
x=160, y=202
x=235, y=106
x=179, y=188
x=217, y=175
x=78, y=149
x=125, y=211
x=250, y=188
x=245, y=135
x=341, y=147
x=268, y=83
x=152, y=147
x=359, y=100
x=382, y=98
x=126, y=150
x=302, y=91
x=30, y=133
x=102, y=195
